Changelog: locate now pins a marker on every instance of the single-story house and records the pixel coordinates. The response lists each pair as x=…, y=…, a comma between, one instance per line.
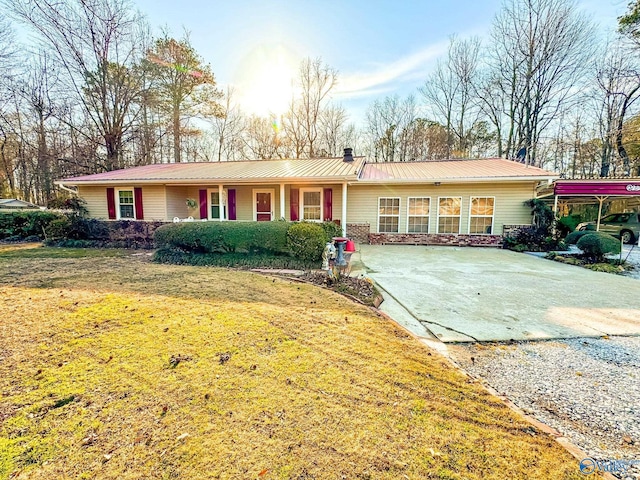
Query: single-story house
x=452, y=201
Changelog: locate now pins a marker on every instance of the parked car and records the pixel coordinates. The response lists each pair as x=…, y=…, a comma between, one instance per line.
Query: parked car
x=622, y=225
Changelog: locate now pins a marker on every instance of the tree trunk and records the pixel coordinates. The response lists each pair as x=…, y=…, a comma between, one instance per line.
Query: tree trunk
x=176, y=134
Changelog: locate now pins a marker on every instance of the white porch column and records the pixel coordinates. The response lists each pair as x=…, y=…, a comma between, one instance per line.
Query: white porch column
x=282, y=214
x=343, y=220
x=220, y=199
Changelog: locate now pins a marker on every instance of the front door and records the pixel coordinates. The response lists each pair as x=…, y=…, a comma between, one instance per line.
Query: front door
x=263, y=205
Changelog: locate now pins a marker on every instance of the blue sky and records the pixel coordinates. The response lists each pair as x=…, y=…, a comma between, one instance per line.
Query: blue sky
x=379, y=47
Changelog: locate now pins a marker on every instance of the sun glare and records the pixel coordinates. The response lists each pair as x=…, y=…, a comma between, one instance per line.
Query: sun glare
x=265, y=80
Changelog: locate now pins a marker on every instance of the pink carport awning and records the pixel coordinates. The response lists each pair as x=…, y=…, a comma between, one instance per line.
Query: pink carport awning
x=618, y=188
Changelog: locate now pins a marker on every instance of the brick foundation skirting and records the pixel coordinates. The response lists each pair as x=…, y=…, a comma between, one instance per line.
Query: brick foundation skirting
x=459, y=240
x=358, y=232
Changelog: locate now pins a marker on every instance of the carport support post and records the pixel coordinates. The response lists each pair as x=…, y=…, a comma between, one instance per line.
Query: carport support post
x=555, y=214
x=601, y=200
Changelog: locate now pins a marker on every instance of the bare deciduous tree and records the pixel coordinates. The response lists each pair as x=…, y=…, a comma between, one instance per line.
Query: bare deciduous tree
x=540, y=53
x=302, y=121
x=97, y=43
x=618, y=80
x=227, y=129
x=449, y=93
x=388, y=121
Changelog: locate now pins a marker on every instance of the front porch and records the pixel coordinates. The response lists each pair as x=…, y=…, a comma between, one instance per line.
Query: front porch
x=264, y=202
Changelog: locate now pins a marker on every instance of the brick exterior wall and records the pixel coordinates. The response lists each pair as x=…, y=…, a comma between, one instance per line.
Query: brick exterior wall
x=459, y=240
x=358, y=232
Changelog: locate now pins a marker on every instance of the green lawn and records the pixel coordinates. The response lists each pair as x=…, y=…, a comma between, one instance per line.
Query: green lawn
x=117, y=368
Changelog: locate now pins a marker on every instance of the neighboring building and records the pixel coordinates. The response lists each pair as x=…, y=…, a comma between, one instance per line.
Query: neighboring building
x=453, y=201
x=14, y=204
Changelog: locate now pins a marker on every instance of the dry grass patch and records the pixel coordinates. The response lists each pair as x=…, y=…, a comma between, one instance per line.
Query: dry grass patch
x=119, y=368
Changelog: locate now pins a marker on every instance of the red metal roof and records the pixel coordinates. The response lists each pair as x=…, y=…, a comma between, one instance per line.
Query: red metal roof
x=601, y=187
x=241, y=172
x=320, y=169
x=447, y=170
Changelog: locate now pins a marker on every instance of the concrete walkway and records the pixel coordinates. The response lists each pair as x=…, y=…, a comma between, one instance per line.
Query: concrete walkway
x=468, y=294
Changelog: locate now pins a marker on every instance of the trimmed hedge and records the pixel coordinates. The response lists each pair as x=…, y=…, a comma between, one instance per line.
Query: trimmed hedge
x=224, y=237
x=306, y=240
x=573, y=237
x=20, y=225
x=596, y=245
x=233, y=260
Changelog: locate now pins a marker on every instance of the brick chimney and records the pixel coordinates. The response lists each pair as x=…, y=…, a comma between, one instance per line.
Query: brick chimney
x=348, y=155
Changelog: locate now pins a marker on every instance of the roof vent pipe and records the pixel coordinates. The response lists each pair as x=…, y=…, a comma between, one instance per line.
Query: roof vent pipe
x=348, y=155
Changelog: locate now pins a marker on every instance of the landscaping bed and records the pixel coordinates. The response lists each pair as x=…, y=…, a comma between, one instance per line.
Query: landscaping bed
x=608, y=266
x=361, y=289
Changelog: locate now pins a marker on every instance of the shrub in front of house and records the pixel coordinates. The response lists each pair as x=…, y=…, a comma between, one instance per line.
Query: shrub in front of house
x=331, y=230
x=306, y=240
x=20, y=225
x=595, y=245
x=566, y=225
x=72, y=230
x=531, y=239
x=573, y=237
x=224, y=237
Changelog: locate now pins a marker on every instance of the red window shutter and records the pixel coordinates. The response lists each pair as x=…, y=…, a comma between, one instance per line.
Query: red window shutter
x=294, y=201
x=111, y=203
x=328, y=204
x=231, y=200
x=137, y=199
x=204, y=213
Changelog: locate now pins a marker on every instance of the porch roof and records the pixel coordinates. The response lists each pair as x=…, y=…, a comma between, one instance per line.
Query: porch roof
x=251, y=171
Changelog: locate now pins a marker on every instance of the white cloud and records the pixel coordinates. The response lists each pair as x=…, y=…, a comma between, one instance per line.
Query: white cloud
x=384, y=78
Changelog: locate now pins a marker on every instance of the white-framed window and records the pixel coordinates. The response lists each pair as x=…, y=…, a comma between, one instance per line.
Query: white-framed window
x=449, y=211
x=418, y=214
x=481, y=215
x=125, y=207
x=311, y=204
x=388, y=214
x=215, y=203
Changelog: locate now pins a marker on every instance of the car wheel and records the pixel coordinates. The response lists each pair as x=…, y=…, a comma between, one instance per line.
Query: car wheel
x=626, y=236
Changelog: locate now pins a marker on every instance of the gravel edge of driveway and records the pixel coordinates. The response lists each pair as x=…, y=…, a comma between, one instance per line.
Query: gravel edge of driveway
x=587, y=389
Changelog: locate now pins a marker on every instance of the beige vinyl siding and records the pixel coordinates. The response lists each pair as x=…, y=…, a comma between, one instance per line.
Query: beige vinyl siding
x=244, y=202
x=177, y=202
x=362, y=202
x=96, y=198
x=153, y=201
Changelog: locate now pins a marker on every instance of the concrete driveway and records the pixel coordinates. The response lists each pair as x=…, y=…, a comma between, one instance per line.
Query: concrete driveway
x=484, y=294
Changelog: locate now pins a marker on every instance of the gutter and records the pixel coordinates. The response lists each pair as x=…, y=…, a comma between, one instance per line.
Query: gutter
x=63, y=187
x=205, y=181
